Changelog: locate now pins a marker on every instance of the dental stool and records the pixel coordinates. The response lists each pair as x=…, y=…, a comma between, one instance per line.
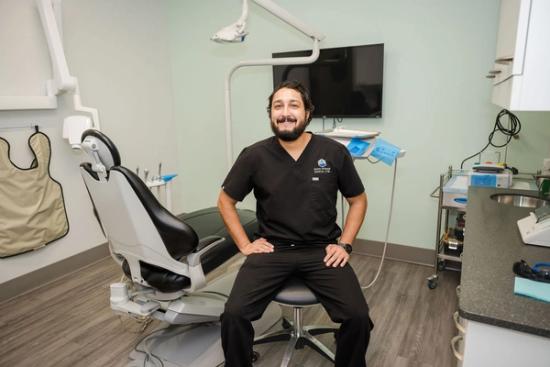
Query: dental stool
x=166, y=259
x=298, y=296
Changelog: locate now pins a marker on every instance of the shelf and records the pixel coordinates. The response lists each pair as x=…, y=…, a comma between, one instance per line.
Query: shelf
x=457, y=259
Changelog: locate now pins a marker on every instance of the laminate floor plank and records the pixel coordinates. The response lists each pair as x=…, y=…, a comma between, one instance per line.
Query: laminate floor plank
x=68, y=322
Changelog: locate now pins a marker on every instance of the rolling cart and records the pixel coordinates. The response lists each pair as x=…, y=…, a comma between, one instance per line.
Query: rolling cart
x=451, y=211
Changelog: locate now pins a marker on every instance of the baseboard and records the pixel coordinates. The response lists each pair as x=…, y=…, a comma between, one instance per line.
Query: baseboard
x=415, y=255
x=40, y=277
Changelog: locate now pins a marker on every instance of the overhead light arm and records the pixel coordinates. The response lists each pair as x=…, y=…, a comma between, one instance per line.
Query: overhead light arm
x=236, y=33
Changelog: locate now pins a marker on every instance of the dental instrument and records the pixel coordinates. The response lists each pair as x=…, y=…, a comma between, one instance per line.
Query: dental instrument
x=389, y=155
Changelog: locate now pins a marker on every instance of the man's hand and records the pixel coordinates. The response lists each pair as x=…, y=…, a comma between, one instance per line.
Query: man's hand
x=258, y=246
x=336, y=256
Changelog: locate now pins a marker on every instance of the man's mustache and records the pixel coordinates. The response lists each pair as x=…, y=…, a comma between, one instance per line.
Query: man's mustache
x=288, y=118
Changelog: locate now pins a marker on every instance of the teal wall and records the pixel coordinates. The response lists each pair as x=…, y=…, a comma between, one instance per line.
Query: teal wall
x=436, y=98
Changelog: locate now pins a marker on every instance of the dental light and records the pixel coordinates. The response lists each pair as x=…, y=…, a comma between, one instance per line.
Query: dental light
x=236, y=33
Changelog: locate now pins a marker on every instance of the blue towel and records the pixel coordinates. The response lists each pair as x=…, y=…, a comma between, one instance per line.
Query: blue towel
x=532, y=289
x=357, y=147
x=385, y=151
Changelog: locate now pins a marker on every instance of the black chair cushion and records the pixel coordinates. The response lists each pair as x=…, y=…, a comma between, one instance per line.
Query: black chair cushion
x=159, y=278
x=209, y=223
x=295, y=293
x=178, y=237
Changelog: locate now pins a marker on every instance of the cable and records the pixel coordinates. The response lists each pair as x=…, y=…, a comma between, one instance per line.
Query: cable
x=513, y=131
x=387, y=229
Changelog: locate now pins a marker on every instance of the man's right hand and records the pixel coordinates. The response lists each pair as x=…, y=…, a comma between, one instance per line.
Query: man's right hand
x=258, y=246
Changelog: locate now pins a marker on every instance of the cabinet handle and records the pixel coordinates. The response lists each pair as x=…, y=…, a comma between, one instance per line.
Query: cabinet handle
x=495, y=71
x=454, y=342
x=490, y=76
x=457, y=323
x=504, y=60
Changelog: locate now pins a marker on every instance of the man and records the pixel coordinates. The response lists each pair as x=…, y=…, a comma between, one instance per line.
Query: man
x=295, y=176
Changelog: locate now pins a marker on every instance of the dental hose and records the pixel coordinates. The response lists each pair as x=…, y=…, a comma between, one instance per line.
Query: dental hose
x=387, y=229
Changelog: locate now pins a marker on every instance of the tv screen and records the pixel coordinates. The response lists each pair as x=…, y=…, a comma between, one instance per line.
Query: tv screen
x=343, y=82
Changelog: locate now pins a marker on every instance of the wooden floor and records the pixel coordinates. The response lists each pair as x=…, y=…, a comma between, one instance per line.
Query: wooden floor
x=69, y=323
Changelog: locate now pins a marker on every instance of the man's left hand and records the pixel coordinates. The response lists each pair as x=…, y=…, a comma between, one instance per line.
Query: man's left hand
x=336, y=256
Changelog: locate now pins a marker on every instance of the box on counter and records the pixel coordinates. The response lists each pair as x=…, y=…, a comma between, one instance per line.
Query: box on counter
x=490, y=179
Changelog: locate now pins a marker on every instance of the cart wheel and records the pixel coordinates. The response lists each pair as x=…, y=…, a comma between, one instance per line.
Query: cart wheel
x=432, y=283
x=255, y=356
x=286, y=324
x=441, y=265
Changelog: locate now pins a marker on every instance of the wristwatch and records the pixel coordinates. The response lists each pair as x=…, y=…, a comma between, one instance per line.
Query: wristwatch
x=345, y=246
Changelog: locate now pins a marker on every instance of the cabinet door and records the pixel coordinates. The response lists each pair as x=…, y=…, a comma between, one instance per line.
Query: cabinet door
x=511, y=38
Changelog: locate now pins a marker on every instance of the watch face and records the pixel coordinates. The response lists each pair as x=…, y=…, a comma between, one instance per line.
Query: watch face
x=347, y=248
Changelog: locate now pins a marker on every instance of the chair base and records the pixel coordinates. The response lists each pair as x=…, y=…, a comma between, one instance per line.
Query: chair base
x=299, y=336
x=197, y=345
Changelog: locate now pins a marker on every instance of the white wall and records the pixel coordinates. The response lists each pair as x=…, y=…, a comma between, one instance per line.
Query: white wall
x=118, y=50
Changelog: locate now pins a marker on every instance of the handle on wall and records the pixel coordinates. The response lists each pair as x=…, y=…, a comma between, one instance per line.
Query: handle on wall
x=458, y=324
x=454, y=342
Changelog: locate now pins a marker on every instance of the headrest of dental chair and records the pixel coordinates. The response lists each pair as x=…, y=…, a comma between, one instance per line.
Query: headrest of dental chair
x=94, y=141
x=178, y=237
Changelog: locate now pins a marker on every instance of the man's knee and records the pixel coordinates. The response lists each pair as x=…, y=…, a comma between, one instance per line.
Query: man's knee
x=236, y=312
x=360, y=318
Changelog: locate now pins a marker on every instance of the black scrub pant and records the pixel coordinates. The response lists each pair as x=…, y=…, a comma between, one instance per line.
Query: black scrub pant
x=260, y=278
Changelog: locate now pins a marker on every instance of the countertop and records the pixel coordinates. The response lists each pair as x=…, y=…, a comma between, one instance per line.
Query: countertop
x=492, y=244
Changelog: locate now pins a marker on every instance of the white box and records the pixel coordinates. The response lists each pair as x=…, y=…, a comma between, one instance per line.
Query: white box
x=455, y=192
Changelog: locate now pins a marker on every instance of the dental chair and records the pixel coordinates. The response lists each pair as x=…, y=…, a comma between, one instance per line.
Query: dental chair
x=166, y=259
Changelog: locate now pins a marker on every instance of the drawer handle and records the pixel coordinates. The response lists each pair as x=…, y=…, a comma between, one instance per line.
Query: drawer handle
x=457, y=323
x=490, y=76
x=454, y=342
x=504, y=60
x=495, y=71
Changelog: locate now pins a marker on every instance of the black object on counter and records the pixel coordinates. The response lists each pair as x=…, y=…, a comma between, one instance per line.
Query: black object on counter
x=537, y=273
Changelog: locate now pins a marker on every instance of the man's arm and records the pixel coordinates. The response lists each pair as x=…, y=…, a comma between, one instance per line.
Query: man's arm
x=228, y=211
x=355, y=217
x=336, y=255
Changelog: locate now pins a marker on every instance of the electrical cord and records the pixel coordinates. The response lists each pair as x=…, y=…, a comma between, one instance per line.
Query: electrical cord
x=513, y=131
x=387, y=229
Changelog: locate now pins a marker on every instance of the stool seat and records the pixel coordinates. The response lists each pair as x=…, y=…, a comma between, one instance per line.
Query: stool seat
x=296, y=293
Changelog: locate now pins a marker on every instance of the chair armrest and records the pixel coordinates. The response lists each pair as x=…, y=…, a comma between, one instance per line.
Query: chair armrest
x=205, y=244
x=207, y=241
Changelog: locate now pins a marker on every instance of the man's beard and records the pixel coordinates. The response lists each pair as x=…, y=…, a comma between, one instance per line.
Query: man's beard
x=288, y=135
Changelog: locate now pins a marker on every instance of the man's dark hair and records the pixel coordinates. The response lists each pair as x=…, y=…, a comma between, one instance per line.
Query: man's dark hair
x=297, y=86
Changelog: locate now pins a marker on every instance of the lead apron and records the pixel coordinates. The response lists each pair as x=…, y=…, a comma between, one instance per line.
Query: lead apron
x=32, y=212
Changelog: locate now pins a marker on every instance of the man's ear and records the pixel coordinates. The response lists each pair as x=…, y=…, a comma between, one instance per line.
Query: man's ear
x=307, y=115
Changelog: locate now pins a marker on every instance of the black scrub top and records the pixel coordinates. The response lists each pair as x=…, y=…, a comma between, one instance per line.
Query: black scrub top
x=295, y=200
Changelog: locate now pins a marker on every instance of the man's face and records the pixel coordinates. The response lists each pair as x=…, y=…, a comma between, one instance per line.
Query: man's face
x=288, y=114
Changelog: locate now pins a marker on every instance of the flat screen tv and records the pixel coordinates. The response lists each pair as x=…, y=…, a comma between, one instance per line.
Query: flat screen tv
x=343, y=82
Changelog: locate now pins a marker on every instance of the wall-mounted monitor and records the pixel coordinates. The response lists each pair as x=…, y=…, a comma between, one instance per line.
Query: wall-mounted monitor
x=343, y=82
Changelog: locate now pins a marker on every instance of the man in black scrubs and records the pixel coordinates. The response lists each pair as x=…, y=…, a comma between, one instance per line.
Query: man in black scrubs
x=295, y=176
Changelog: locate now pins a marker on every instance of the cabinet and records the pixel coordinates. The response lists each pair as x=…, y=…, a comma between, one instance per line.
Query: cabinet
x=520, y=74
x=479, y=344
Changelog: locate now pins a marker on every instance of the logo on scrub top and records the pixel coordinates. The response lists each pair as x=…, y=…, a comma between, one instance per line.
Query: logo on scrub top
x=323, y=167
